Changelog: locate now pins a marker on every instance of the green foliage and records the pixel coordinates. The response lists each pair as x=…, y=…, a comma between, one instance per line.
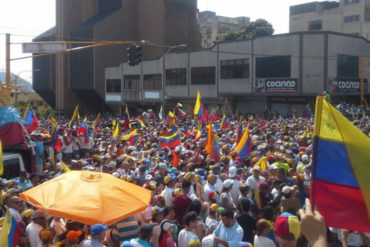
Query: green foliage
x=255, y=29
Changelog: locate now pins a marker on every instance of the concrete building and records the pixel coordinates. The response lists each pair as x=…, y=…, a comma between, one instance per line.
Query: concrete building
x=65, y=80
x=344, y=16
x=213, y=26
x=281, y=72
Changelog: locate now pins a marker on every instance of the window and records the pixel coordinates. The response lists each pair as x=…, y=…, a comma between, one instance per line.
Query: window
x=152, y=82
x=346, y=2
x=203, y=75
x=347, y=66
x=352, y=18
x=175, y=77
x=233, y=69
x=113, y=86
x=131, y=81
x=273, y=67
x=315, y=25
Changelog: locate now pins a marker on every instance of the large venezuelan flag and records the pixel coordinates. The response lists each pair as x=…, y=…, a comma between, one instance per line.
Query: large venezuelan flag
x=11, y=231
x=171, y=141
x=128, y=136
x=245, y=145
x=11, y=132
x=199, y=109
x=341, y=166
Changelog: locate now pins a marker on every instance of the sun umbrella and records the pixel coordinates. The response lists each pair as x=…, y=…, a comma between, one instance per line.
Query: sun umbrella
x=88, y=197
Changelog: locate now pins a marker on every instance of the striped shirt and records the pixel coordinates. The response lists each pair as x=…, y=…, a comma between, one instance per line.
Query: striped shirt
x=126, y=229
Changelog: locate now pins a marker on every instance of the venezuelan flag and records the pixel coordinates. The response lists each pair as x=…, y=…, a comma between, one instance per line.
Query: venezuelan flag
x=134, y=139
x=341, y=166
x=11, y=231
x=245, y=145
x=74, y=116
x=199, y=109
x=83, y=131
x=307, y=112
x=128, y=136
x=198, y=134
x=171, y=141
x=212, y=147
x=31, y=121
x=142, y=125
x=181, y=113
x=178, y=105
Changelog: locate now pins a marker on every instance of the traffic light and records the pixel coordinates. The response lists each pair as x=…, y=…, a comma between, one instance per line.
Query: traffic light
x=134, y=54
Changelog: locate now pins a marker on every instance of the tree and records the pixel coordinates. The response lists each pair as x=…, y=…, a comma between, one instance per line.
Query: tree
x=255, y=29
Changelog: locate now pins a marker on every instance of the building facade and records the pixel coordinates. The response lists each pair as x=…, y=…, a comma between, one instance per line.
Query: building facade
x=212, y=26
x=344, y=16
x=280, y=72
x=65, y=80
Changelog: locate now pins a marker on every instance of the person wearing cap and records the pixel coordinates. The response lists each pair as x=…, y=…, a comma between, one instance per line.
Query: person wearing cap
x=39, y=153
x=301, y=166
x=15, y=206
x=166, y=236
x=255, y=179
x=125, y=229
x=225, y=198
x=161, y=173
x=22, y=181
x=235, y=190
x=168, y=191
x=228, y=232
x=97, y=236
x=145, y=233
x=212, y=220
x=210, y=185
x=33, y=229
x=157, y=217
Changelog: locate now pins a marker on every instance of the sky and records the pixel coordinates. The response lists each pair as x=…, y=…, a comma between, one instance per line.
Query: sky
x=25, y=19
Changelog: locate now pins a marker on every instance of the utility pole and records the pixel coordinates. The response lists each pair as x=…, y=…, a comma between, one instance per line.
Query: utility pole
x=363, y=66
x=7, y=57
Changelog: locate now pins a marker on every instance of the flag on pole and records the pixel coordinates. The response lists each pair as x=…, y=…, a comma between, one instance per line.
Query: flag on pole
x=212, y=147
x=74, y=116
x=26, y=111
x=178, y=105
x=170, y=141
x=199, y=109
x=340, y=178
x=97, y=119
x=245, y=145
x=128, y=136
x=307, y=111
x=160, y=114
x=127, y=124
x=142, y=125
x=64, y=167
x=11, y=231
x=115, y=130
x=31, y=121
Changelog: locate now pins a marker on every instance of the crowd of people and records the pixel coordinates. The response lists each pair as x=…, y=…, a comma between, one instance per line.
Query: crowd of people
x=259, y=200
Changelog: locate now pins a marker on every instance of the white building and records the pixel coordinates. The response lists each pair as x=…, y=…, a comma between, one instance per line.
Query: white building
x=344, y=16
x=213, y=26
x=281, y=72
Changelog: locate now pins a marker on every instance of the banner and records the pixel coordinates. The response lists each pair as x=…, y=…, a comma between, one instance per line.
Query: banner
x=338, y=85
x=283, y=85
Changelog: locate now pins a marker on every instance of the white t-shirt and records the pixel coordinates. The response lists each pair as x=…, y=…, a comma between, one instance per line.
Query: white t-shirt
x=168, y=199
x=185, y=236
x=261, y=241
x=33, y=230
x=252, y=181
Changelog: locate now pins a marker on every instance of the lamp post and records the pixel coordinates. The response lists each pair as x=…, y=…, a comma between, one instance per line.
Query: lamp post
x=169, y=48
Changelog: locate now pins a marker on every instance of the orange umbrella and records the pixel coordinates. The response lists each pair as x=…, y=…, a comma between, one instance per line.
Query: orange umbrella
x=88, y=197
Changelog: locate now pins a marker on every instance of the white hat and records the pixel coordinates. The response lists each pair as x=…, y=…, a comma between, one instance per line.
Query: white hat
x=208, y=241
x=167, y=225
x=115, y=174
x=232, y=172
x=256, y=168
x=287, y=189
x=260, y=147
x=148, y=177
x=305, y=158
x=227, y=183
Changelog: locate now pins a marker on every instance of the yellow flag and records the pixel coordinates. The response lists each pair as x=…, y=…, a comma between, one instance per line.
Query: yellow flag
x=75, y=114
x=262, y=163
x=53, y=124
x=1, y=160
x=209, y=145
x=26, y=111
x=116, y=130
x=64, y=167
x=96, y=120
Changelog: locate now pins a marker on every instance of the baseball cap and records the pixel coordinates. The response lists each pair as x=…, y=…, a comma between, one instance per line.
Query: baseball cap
x=287, y=224
x=213, y=207
x=287, y=189
x=305, y=158
x=163, y=166
x=227, y=183
x=232, y=172
x=73, y=236
x=167, y=225
x=256, y=168
x=98, y=229
x=127, y=244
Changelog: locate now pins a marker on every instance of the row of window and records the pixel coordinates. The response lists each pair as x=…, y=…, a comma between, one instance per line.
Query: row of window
x=266, y=67
x=346, y=2
x=352, y=18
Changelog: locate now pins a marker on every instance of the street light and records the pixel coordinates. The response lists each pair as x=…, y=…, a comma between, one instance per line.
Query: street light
x=169, y=48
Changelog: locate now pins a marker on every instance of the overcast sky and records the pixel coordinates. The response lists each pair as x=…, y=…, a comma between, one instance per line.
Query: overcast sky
x=25, y=19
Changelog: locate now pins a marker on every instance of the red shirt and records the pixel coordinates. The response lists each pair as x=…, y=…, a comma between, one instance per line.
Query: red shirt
x=181, y=204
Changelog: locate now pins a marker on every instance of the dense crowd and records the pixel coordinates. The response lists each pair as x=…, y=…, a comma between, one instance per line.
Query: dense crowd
x=258, y=200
